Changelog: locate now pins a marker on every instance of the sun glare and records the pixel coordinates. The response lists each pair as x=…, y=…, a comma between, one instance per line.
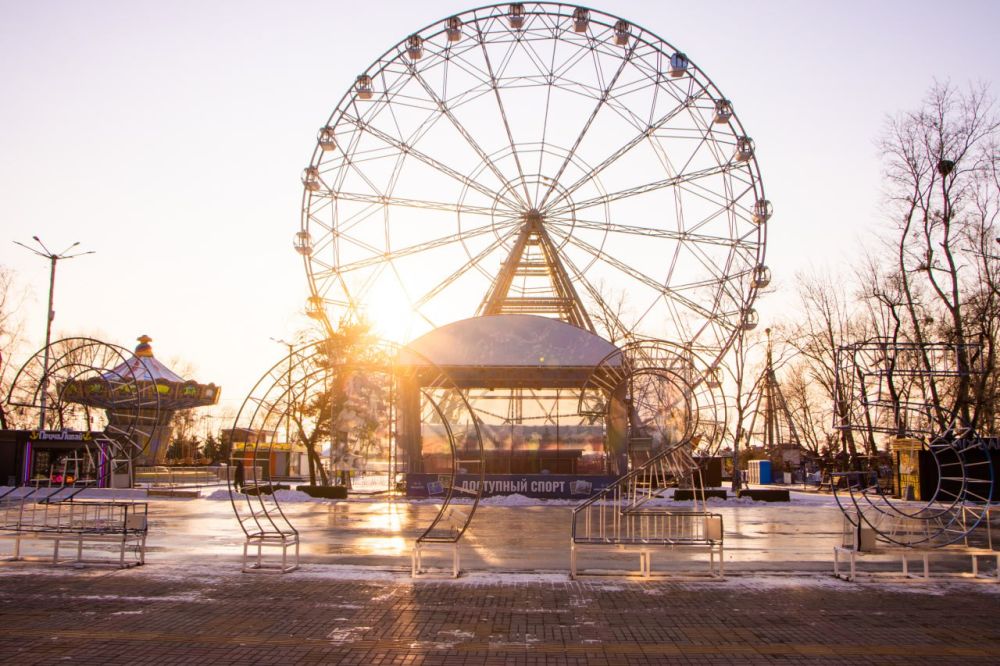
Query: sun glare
x=392, y=317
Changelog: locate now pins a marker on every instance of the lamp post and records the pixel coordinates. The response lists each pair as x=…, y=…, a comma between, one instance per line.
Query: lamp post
x=53, y=257
x=288, y=416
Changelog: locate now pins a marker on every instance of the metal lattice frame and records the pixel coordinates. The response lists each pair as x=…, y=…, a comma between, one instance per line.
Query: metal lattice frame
x=959, y=504
x=618, y=155
x=886, y=384
x=311, y=372
x=76, y=367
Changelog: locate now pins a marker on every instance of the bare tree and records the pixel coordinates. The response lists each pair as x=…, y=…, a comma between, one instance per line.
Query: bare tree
x=808, y=410
x=827, y=323
x=610, y=313
x=11, y=333
x=745, y=366
x=941, y=170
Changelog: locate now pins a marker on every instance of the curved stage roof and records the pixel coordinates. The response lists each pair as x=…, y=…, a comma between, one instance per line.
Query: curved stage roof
x=512, y=350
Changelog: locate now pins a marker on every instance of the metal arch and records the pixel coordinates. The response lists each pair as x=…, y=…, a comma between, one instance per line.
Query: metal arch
x=678, y=364
x=260, y=515
x=74, y=364
x=883, y=378
x=304, y=375
x=402, y=85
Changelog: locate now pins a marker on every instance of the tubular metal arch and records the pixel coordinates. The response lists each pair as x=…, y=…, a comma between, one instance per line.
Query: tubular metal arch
x=85, y=379
x=960, y=501
x=321, y=392
x=885, y=383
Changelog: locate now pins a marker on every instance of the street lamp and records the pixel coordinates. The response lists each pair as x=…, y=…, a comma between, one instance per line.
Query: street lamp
x=53, y=257
x=288, y=417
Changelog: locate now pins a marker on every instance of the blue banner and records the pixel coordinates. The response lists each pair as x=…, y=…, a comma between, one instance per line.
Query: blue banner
x=541, y=486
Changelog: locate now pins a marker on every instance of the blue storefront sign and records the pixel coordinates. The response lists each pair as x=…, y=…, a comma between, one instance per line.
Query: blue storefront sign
x=541, y=486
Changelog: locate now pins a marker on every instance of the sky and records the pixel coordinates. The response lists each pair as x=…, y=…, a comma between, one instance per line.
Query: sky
x=169, y=138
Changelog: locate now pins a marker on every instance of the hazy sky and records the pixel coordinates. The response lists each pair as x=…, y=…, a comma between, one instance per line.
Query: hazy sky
x=170, y=137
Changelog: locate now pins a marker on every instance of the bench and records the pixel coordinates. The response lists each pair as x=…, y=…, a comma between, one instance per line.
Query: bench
x=860, y=540
x=648, y=531
x=904, y=554
x=83, y=523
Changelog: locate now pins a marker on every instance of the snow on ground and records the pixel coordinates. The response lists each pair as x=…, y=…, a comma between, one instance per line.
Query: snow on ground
x=521, y=500
x=295, y=496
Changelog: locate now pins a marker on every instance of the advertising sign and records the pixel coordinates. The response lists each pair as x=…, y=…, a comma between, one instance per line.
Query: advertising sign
x=542, y=486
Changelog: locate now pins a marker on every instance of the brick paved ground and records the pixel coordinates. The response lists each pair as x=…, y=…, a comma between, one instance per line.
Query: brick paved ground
x=159, y=615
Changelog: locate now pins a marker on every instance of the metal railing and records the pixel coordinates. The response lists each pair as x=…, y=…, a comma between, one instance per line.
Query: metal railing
x=621, y=514
x=163, y=476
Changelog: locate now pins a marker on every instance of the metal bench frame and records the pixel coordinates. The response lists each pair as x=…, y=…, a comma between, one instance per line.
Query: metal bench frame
x=648, y=531
x=81, y=522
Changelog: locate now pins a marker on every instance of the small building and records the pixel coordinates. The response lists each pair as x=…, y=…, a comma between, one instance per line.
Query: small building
x=259, y=448
x=56, y=458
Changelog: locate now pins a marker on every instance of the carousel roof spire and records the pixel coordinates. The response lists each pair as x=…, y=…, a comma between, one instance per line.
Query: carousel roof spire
x=144, y=349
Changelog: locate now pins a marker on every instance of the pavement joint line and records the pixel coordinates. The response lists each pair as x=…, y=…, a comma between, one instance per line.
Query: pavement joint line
x=412, y=645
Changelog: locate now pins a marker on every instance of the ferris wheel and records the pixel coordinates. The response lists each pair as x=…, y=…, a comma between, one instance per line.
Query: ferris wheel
x=536, y=158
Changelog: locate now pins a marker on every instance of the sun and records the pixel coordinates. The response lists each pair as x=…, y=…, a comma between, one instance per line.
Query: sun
x=390, y=313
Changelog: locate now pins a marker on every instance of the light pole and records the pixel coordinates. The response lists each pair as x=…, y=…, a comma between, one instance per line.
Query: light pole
x=53, y=257
x=288, y=416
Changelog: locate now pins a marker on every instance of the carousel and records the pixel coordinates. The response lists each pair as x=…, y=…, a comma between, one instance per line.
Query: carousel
x=173, y=393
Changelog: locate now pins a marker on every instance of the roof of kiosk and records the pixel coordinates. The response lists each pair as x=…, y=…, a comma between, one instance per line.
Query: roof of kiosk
x=511, y=340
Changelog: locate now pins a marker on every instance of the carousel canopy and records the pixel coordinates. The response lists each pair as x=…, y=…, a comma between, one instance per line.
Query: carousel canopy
x=133, y=383
x=144, y=366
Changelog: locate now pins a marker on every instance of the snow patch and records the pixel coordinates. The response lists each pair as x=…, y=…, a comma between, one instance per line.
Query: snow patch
x=281, y=496
x=457, y=633
x=296, y=496
x=516, y=499
x=346, y=635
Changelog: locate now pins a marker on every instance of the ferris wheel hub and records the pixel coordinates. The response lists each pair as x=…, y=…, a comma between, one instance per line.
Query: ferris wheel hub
x=533, y=218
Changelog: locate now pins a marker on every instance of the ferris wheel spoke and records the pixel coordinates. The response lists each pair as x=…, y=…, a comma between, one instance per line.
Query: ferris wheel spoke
x=446, y=110
x=643, y=189
x=611, y=318
x=664, y=234
x=586, y=127
x=401, y=146
x=635, y=274
x=379, y=257
x=394, y=201
x=618, y=154
x=729, y=200
x=465, y=268
x=506, y=121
